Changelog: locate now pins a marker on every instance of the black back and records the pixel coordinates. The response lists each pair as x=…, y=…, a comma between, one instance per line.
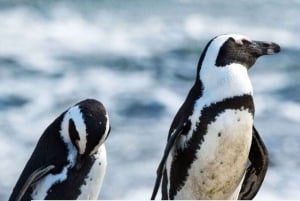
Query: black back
x=50, y=149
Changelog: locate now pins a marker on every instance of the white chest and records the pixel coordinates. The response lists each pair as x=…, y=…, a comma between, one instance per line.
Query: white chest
x=93, y=183
x=221, y=160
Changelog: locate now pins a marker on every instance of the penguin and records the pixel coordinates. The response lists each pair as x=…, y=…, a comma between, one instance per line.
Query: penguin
x=69, y=160
x=213, y=149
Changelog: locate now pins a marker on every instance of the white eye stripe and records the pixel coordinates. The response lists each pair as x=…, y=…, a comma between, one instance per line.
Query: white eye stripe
x=220, y=40
x=75, y=114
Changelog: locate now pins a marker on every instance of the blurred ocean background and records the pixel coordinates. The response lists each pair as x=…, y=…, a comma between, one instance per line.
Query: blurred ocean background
x=139, y=59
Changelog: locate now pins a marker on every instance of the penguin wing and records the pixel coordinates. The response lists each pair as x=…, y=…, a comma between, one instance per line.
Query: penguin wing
x=171, y=140
x=33, y=178
x=48, y=155
x=256, y=172
x=179, y=126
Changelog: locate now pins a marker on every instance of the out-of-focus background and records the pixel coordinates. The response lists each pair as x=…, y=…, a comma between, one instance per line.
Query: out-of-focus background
x=139, y=58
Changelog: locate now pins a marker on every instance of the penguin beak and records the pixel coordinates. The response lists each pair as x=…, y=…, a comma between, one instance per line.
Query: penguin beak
x=261, y=48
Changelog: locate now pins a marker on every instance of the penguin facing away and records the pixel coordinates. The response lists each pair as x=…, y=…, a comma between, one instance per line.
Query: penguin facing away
x=213, y=150
x=69, y=160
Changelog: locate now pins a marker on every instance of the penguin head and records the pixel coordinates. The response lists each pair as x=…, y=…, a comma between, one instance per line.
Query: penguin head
x=229, y=49
x=224, y=63
x=84, y=128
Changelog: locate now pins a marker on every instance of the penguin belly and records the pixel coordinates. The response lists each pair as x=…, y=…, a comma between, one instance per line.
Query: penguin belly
x=220, y=162
x=93, y=182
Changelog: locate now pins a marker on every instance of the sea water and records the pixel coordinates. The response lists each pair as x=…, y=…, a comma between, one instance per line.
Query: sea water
x=139, y=59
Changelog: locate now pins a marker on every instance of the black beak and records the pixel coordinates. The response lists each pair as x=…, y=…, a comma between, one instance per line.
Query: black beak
x=264, y=48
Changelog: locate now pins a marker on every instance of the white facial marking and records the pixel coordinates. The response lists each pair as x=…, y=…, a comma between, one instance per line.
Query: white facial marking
x=237, y=37
x=225, y=150
x=75, y=114
x=214, y=48
x=64, y=133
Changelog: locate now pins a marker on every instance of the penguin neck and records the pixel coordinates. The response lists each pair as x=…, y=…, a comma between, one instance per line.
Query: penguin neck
x=212, y=86
x=219, y=83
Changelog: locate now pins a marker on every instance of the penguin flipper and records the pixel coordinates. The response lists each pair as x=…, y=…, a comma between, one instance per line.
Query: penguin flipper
x=159, y=172
x=33, y=178
x=256, y=172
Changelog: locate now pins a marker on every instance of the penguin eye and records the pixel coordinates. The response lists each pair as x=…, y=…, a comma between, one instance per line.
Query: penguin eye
x=74, y=136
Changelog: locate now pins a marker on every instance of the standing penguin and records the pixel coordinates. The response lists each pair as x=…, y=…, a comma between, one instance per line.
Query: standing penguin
x=213, y=150
x=69, y=160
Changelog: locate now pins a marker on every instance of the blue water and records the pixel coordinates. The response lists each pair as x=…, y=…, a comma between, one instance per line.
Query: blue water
x=139, y=58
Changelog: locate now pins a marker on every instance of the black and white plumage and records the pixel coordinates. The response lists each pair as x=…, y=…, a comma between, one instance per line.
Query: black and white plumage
x=213, y=150
x=69, y=160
